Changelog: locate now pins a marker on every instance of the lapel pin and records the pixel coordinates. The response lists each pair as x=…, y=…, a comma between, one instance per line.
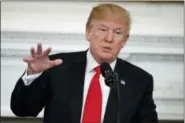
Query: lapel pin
x=122, y=82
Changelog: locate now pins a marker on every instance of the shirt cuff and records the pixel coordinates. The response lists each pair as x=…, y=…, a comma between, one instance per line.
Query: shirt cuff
x=28, y=79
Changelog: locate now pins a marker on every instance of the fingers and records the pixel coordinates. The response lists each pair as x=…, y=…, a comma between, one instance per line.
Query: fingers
x=32, y=51
x=47, y=51
x=43, y=53
x=39, y=51
x=28, y=59
x=39, y=48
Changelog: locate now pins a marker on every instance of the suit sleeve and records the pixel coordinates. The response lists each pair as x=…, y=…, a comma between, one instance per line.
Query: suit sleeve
x=147, y=108
x=29, y=100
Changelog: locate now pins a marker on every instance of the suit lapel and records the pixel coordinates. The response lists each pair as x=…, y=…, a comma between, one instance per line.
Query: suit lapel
x=111, y=109
x=77, y=74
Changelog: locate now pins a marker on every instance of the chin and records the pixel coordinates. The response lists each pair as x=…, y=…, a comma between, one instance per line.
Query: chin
x=106, y=57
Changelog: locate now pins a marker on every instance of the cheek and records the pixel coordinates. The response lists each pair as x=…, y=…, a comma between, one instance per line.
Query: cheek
x=96, y=34
x=94, y=42
x=118, y=46
x=96, y=38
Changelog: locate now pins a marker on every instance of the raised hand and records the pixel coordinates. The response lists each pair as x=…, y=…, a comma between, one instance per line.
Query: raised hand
x=39, y=60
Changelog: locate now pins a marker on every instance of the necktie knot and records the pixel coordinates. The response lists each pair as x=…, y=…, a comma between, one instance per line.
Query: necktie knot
x=97, y=69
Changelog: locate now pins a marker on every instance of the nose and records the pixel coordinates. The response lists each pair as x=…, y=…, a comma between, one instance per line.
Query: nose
x=109, y=37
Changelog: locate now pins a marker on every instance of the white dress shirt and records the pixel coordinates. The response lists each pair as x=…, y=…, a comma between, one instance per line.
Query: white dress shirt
x=89, y=73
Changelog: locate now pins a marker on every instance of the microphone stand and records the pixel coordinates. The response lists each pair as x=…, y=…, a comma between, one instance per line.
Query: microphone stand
x=118, y=95
x=111, y=80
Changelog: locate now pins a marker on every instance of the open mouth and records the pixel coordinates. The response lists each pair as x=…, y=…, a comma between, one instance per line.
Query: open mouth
x=106, y=49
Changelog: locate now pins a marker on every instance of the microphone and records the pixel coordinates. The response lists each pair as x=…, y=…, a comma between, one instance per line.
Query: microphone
x=111, y=80
x=108, y=74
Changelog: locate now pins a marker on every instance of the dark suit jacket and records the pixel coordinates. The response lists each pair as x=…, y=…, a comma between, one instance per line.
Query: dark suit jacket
x=60, y=91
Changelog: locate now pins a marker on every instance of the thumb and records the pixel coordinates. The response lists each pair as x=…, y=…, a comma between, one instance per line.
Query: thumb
x=57, y=62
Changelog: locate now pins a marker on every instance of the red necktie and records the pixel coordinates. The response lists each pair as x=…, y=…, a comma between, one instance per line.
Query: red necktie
x=93, y=103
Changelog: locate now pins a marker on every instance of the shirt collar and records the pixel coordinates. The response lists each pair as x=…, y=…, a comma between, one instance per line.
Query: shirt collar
x=91, y=62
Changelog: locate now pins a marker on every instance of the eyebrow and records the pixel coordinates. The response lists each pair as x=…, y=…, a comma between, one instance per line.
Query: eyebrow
x=119, y=28
x=103, y=25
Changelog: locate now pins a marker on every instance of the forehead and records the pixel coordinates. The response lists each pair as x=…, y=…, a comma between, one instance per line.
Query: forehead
x=118, y=24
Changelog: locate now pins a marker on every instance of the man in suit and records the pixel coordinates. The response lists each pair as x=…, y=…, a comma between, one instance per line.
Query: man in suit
x=71, y=87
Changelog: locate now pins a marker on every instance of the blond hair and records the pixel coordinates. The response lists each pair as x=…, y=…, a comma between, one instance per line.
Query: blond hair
x=109, y=11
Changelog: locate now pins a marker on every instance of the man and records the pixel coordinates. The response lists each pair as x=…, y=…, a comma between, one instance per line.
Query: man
x=71, y=87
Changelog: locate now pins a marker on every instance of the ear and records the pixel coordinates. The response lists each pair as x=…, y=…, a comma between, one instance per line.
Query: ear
x=127, y=37
x=88, y=34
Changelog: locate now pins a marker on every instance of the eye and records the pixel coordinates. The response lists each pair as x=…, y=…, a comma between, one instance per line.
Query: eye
x=118, y=33
x=102, y=29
